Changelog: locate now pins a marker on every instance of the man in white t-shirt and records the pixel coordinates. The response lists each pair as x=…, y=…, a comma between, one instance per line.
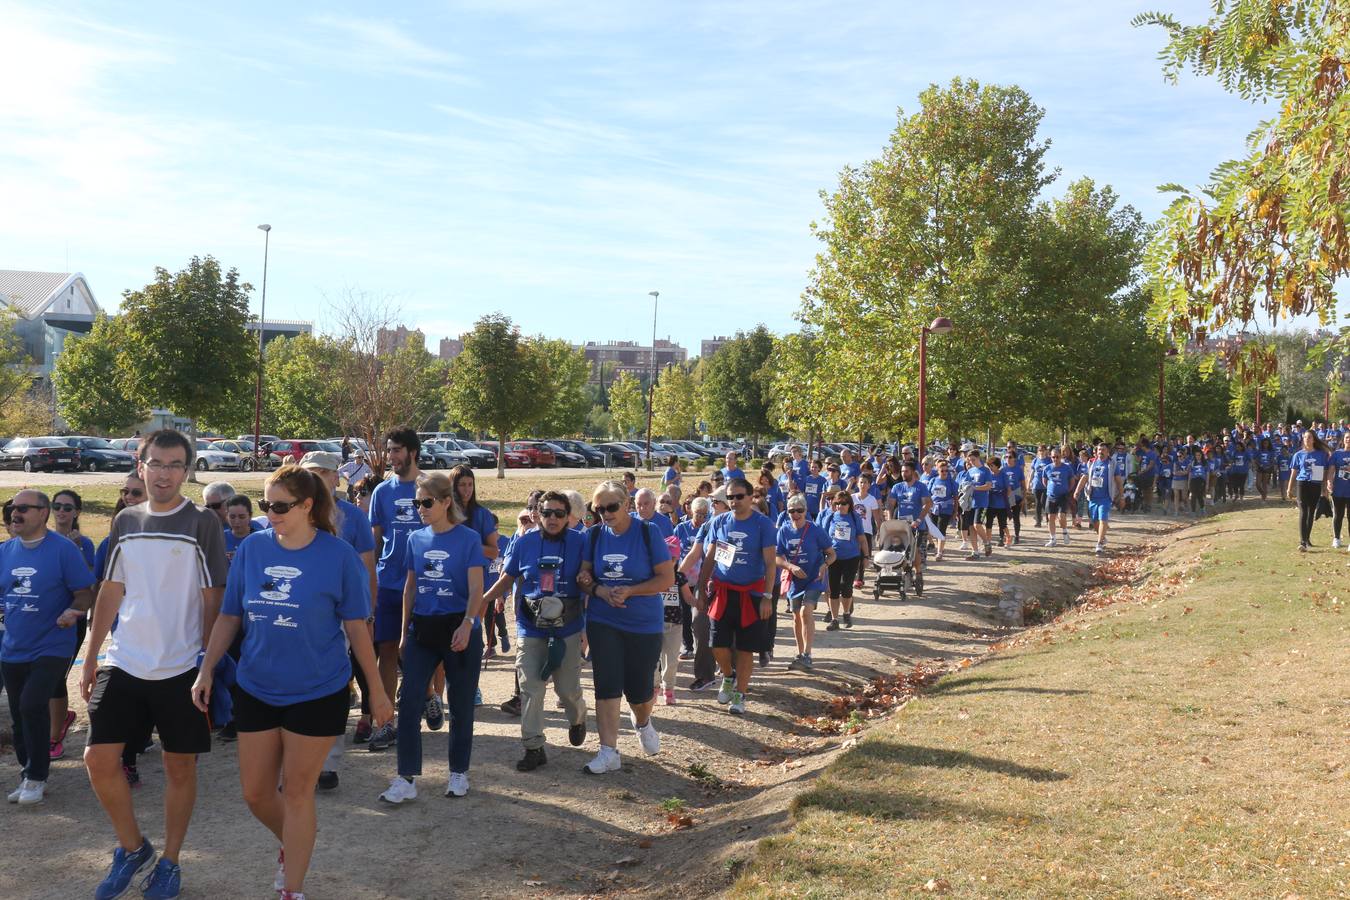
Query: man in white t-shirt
x=164, y=579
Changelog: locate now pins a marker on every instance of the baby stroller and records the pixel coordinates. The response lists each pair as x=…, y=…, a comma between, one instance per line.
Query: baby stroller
x=893, y=559
x=1131, y=496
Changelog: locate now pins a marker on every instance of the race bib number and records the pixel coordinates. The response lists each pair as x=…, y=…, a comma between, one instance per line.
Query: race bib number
x=671, y=598
x=725, y=554
x=842, y=532
x=495, y=566
x=1096, y=480
x=813, y=488
x=1343, y=473
x=1315, y=472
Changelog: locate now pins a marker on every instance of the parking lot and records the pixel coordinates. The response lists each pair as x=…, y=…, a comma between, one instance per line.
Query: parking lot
x=17, y=479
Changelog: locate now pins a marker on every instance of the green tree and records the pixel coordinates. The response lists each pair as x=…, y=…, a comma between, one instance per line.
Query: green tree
x=627, y=407
x=1195, y=397
x=599, y=423
x=300, y=397
x=186, y=344
x=795, y=381
x=496, y=384
x=16, y=378
x=566, y=371
x=675, y=403
x=92, y=381
x=734, y=391
x=1265, y=237
x=937, y=225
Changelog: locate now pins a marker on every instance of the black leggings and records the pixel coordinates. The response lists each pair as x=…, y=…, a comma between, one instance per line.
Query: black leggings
x=1308, y=492
x=1015, y=511
x=1001, y=515
x=842, y=573
x=1040, y=505
x=1197, y=495
x=81, y=629
x=1237, y=485
x=1342, y=506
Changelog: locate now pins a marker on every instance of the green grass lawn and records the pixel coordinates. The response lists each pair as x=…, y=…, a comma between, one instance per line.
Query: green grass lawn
x=1193, y=741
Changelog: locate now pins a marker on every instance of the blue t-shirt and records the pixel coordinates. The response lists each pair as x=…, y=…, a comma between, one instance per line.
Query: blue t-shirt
x=292, y=604
x=801, y=468
x=534, y=556
x=1239, y=462
x=787, y=481
x=1340, y=479
x=1145, y=463
x=977, y=476
x=1310, y=465
x=1099, y=475
x=232, y=543
x=806, y=549
x=849, y=471
x=441, y=563
x=738, y=546
x=943, y=492
x=909, y=500
x=729, y=474
x=662, y=524
x=353, y=526
x=843, y=529
x=1197, y=470
x=482, y=521
x=86, y=550
x=1058, y=480
x=1013, y=478
x=100, y=559
x=998, y=489
x=672, y=476
x=38, y=587
x=625, y=559
x=393, y=512
x=685, y=533
x=813, y=486
x=1265, y=460
x=1038, y=467
x=774, y=497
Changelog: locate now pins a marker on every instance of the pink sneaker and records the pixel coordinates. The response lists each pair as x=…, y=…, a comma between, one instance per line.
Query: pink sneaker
x=670, y=698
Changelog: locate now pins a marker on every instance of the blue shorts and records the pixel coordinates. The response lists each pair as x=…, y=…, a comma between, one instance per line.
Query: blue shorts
x=388, y=615
x=1097, y=512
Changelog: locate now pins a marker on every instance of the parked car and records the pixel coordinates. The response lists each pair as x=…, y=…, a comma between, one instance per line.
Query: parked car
x=620, y=454
x=670, y=448
x=478, y=457
x=565, y=459
x=130, y=445
x=292, y=451
x=593, y=455
x=440, y=456
x=538, y=453
x=513, y=459
x=263, y=439
x=248, y=460
x=96, y=454
x=696, y=447
x=211, y=459
x=39, y=454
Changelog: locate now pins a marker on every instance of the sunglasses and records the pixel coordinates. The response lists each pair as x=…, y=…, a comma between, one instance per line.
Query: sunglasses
x=26, y=507
x=217, y=505
x=280, y=507
x=553, y=513
x=63, y=507
x=424, y=502
x=132, y=492
x=604, y=508
x=737, y=496
x=796, y=512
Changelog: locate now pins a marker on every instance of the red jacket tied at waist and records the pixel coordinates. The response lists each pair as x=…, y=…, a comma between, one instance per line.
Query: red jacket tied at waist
x=722, y=592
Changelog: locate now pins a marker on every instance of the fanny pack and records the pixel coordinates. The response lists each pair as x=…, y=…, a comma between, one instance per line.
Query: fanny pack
x=436, y=632
x=552, y=611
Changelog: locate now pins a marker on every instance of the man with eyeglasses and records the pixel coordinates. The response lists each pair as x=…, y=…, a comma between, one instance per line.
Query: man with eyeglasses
x=740, y=556
x=45, y=591
x=393, y=516
x=165, y=576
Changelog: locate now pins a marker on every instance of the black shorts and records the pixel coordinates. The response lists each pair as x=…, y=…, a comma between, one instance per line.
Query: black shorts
x=123, y=709
x=321, y=717
x=623, y=663
x=969, y=517
x=1057, y=505
x=728, y=632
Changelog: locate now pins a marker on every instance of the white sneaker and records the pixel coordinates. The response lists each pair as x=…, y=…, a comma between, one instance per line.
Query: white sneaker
x=33, y=792
x=737, y=707
x=964, y=546
x=279, y=883
x=1066, y=537
x=459, y=784
x=724, y=692
x=15, y=794
x=607, y=760
x=400, y=790
x=647, y=735
x=1099, y=550
x=1335, y=543
x=1051, y=543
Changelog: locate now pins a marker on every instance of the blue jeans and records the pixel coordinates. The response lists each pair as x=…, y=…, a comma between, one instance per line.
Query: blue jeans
x=461, y=684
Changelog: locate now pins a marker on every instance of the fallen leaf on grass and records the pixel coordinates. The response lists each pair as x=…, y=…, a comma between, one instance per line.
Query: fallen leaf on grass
x=937, y=886
x=680, y=820
x=1187, y=611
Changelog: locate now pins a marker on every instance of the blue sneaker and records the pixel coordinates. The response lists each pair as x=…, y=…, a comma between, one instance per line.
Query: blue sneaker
x=478, y=697
x=164, y=882
x=124, y=868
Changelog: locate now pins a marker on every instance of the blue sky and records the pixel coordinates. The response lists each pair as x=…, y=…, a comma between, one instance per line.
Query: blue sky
x=554, y=161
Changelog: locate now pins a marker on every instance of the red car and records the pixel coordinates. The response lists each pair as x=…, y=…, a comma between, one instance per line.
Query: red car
x=538, y=453
x=514, y=459
x=294, y=451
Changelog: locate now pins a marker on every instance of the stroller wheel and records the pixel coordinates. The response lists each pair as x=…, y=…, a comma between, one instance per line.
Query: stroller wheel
x=918, y=584
x=876, y=591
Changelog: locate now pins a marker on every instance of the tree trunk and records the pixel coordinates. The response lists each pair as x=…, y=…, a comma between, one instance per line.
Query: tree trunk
x=192, y=436
x=501, y=455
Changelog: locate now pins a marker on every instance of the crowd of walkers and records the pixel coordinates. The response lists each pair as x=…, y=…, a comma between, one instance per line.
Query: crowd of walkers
x=256, y=626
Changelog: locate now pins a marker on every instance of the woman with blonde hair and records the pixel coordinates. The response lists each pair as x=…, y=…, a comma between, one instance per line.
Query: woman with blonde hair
x=300, y=593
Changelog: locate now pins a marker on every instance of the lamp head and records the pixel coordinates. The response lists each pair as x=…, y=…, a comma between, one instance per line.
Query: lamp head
x=940, y=325
x=264, y=227
x=653, y=293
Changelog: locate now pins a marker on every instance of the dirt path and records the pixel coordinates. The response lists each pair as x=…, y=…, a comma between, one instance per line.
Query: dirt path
x=555, y=832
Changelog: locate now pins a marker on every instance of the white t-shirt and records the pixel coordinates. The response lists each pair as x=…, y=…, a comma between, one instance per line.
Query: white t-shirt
x=866, y=506
x=163, y=561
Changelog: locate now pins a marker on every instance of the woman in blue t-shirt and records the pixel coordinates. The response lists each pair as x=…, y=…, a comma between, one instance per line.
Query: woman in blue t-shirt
x=1312, y=479
x=845, y=530
x=66, y=509
x=1267, y=464
x=1197, y=476
x=301, y=594
x=1340, y=485
x=626, y=569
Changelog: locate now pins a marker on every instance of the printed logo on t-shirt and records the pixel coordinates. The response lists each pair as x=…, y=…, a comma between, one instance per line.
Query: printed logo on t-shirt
x=434, y=570
x=285, y=621
x=23, y=580
x=404, y=510
x=278, y=590
x=613, y=565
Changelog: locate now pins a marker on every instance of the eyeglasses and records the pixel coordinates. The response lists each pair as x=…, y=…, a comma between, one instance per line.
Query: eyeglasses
x=736, y=496
x=63, y=507
x=172, y=468
x=26, y=507
x=604, y=508
x=217, y=505
x=552, y=513
x=132, y=492
x=280, y=507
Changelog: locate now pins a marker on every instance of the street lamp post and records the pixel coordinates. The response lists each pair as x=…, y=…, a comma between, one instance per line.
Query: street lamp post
x=262, y=322
x=651, y=384
x=940, y=325
x=1162, y=360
